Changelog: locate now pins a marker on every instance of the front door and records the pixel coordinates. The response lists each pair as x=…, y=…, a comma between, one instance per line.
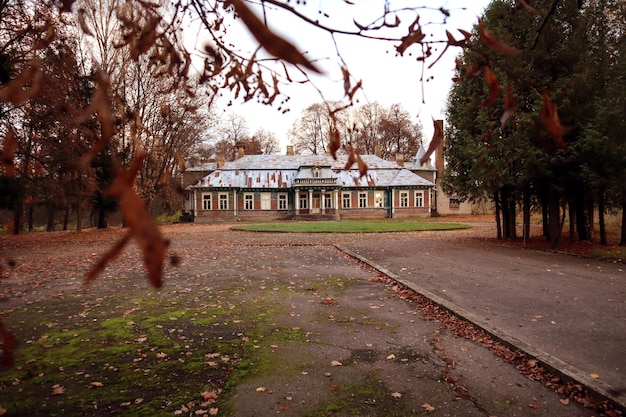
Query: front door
x=316, y=203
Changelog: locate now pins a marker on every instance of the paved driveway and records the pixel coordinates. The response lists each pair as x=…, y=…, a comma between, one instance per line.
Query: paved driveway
x=574, y=309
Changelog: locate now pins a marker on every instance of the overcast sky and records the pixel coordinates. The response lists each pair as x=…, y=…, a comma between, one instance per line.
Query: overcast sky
x=387, y=78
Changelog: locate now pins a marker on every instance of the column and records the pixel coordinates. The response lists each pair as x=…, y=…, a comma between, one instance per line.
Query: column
x=296, y=203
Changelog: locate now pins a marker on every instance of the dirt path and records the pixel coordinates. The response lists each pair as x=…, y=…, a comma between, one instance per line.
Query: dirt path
x=247, y=325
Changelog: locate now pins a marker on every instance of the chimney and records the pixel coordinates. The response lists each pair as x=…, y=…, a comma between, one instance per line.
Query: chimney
x=439, y=152
x=290, y=150
x=377, y=150
x=221, y=160
x=400, y=159
x=241, y=148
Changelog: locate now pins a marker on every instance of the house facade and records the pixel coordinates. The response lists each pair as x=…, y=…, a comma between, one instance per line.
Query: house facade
x=307, y=187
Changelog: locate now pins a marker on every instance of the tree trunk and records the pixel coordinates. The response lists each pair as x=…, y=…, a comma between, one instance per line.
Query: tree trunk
x=506, y=217
x=79, y=220
x=512, y=218
x=601, y=209
x=496, y=200
x=102, y=219
x=50, y=222
x=66, y=217
x=554, y=219
x=544, y=216
x=17, y=218
x=571, y=212
x=582, y=224
x=31, y=213
x=590, y=218
x=526, y=214
x=622, y=241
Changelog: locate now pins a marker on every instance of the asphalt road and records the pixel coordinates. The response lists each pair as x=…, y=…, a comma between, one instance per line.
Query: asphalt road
x=570, y=309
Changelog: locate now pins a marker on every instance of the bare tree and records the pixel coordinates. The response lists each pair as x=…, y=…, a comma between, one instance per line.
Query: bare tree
x=309, y=134
x=367, y=125
x=262, y=142
x=399, y=134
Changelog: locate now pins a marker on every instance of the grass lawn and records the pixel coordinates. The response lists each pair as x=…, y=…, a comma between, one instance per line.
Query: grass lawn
x=351, y=226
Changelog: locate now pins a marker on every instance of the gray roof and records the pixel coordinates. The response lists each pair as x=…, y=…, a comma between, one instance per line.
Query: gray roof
x=280, y=171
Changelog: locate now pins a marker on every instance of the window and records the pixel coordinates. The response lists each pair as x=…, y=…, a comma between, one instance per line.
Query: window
x=282, y=201
x=378, y=200
x=362, y=200
x=223, y=201
x=266, y=201
x=328, y=202
x=419, y=199
x=317, y=172
x=455, y=203
x=303, y=201
x=206, y=201
x=345, y=200
x=404, y=199
x=248, y=201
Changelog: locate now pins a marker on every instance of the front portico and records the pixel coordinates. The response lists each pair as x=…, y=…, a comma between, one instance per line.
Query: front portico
x=316, y=192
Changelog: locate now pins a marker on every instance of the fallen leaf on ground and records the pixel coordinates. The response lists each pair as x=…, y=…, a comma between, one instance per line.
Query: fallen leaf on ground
x=428, y=407
x=58, y=389
x=335, y=363
x=396, y=395
x=209, y=395
x=261, y=389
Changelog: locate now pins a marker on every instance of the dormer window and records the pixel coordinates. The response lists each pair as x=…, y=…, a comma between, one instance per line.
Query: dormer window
x=317, y=172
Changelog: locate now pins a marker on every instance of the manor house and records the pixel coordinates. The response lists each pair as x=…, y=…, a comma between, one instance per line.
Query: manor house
x=310, y=187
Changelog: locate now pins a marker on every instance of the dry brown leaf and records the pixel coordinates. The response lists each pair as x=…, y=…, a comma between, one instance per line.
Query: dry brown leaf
x=510, y=106
x=528, y=7
x=58, y=389
x=492, y=42
x=141, y=225
x=362, y=165
x=396, y=395
x=494, y=87
x=428, y=407
x=99, y=104
x=111, y=255
x=550, y=120
x=351, y=158
x=415, y=35
x=9, y=146
x=25, y=86
x=209, y=395
x=346, y=80
x=435, y=141
x=8, y=346
x=47, y=38
x=181, y=161
x=83, y=23
x=274, y=44
x=334, y=142
x=67, y=5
